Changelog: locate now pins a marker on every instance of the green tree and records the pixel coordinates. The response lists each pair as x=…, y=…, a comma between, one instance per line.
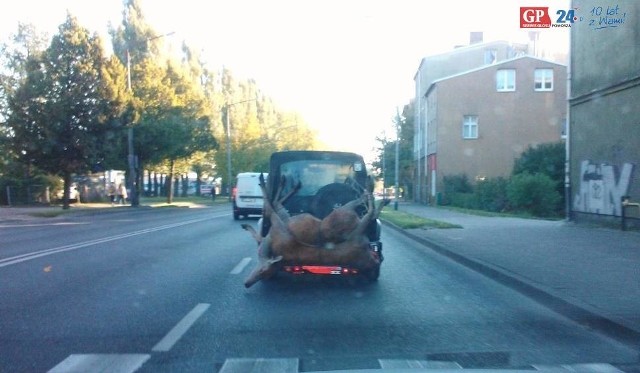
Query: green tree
x=257, y=128
x=65, y=105
x=173, y=115
x=386, y=154
x=15, y=54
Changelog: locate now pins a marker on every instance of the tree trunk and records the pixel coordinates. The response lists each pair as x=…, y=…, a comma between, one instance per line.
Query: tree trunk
x=139, y=183
x=172, y=166
x=185, y=185
x=67, y=187
x=155, y=185
x=198, y=182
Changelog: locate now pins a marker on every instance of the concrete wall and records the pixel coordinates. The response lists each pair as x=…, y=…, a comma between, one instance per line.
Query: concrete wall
x=604, y=132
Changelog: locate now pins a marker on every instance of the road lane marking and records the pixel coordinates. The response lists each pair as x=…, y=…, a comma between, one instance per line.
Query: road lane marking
x=240, y=266
x=38, y=254
x=41, y=224
x=260, y=365
x=181, y=328
x=116, y=363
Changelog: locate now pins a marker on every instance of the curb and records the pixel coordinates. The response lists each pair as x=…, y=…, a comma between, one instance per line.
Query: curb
x=581, y=315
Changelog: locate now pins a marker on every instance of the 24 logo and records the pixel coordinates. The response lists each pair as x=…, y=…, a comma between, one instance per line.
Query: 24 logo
x=565, y=16
x=538, y=17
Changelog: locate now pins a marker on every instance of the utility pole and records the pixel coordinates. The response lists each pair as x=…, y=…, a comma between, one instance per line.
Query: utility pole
x=228, y=126
x=395, y=203
x=229, y=174
x=384, y=165
x=133, y=176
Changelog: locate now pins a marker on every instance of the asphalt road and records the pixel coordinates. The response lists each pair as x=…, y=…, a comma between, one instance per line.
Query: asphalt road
x=162, y=291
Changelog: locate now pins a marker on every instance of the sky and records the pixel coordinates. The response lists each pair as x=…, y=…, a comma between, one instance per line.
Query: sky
x=344, y=65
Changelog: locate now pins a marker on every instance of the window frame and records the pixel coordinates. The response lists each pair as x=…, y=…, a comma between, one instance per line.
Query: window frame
x=502, y=80
x=470, y=130
x=543, y=79
x=491, y=54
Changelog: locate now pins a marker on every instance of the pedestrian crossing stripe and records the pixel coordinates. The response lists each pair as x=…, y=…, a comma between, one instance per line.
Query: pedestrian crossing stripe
x=582, y=368
x=260, y=365
x=129, y=363
x=114, y=363
x=417, y=364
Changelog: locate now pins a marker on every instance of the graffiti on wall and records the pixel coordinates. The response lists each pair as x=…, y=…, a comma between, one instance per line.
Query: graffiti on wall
x=601, y=187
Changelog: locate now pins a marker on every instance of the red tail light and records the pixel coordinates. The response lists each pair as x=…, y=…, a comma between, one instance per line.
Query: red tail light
x=320, y=270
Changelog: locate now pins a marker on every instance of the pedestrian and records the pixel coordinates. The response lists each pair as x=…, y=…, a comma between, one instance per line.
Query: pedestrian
x=122, y=194
x=111, y=192
x=213, y=192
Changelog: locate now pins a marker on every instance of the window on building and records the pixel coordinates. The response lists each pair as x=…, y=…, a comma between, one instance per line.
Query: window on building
x=490, y=56
x=470, y=127
x=543, y=80
x=506, y=80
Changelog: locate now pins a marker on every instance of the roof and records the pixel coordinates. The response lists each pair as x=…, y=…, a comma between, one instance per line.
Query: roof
x=461, y=50
x=503, y=62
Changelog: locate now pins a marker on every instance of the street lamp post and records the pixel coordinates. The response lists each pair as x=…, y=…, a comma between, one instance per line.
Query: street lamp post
x=132, y=158
x=133, y=184
x=395, y=202
x=228, y=126
x=384, y=165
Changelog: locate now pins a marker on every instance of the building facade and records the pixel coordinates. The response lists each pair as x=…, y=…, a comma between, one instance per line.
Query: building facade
x=604, y=125
x=479, y=121
x=432, y=68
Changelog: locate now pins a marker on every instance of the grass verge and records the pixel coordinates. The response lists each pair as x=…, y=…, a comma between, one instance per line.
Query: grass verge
x=192, y=201
x=49, y=213
x=491, y=214
x=409, y=221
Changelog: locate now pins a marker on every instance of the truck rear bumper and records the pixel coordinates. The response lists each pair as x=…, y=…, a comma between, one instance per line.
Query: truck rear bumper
x=334, y=270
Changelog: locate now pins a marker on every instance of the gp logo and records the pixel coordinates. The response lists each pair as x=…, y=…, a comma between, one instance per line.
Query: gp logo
x=534, y=17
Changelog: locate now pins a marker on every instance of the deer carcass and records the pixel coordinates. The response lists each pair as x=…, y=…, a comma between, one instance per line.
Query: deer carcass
x=303, y=239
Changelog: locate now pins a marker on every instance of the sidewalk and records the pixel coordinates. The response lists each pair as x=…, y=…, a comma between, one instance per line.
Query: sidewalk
x=589, y=274
x=36, y=213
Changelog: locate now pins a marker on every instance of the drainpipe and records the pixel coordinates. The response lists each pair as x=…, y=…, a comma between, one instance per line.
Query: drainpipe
x=567, y=144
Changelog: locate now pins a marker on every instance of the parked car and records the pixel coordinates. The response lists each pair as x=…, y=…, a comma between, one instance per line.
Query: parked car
x=206, y=189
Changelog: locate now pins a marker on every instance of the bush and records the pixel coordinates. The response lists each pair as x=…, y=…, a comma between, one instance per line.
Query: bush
x=464, y=200
x=535, y=194
x=454, y=185
x=491, y=194
x=457, y=184
x=548, y=159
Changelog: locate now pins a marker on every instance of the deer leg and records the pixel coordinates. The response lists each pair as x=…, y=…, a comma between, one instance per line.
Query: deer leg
x=252, y=231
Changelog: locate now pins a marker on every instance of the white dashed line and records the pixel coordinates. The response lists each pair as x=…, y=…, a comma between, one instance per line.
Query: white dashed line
x=240, y=266
x=181, y=328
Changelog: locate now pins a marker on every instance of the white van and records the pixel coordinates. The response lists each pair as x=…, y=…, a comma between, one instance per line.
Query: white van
x=247, y=196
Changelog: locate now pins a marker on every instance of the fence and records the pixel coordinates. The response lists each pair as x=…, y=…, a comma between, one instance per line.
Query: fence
x=26, y=195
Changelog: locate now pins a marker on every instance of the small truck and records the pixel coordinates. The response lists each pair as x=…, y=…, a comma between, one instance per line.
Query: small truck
x=319, y=217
